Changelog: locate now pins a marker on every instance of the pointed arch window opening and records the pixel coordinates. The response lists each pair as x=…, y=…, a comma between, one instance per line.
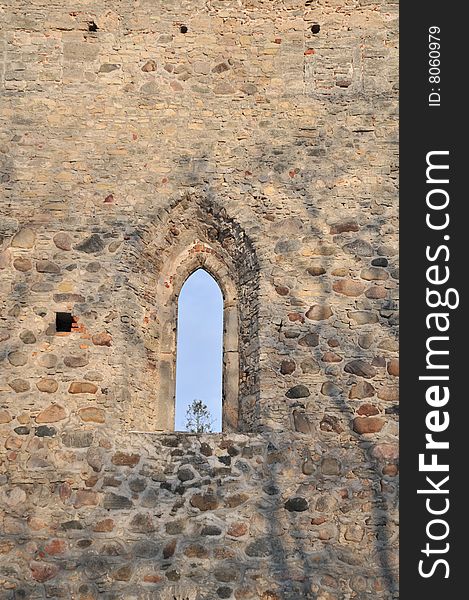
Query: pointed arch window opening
x=199, y=348
x=183, y=264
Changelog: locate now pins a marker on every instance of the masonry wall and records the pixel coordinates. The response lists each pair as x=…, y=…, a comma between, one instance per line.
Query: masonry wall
x=273, y=147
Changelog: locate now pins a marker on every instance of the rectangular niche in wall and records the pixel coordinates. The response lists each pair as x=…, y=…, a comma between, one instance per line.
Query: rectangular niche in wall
x=63, y=322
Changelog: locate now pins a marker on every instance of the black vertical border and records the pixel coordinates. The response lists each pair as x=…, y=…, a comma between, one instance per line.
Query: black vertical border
x=424, y=129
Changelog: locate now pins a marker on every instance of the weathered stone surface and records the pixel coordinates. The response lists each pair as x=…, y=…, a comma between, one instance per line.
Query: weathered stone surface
x=282, y=290
x=17, y=358
x=47, y=360
x=366, y=340
x=169, y=549
x=108, y=68
x=56, y=547
x=301, y=422
x=149, y=499
x=310, y=365
x=185, y=474
x=137, y=153
x=25, y=238
x=94, y=266
x=196, y=551
x=379, y=361
x=13, y=443
x=52, y=414
x=205, y=449
x=309, y=340
x=319, y=312
x=142, y=523
x=5, y=417
x=146, y=549
x=387, y=452
x=363, y=317
x=149, y=66
x=389, y=344
x=45, y=431
x=151, y=88
x=95, y=459
x=329, y=388
x=125, y=459
x=359, y=248
x=393, y=367
x=390, y=470
x=47, y=385
x=235, y=500
x=224, y=89
x=102, y=339
x=308, y=467
x=259, y=548
x=368, y=424
x=331, y=423
x=76, y=361
x=376, y=292
x=22, y=264
x=361, y=389
x=116, y=502
x=85, y=498
x=354, y=533
x=220, y=68
x=92, y=414
x=296, y=317
x=4, y=335
x=210, y=530
x=5, y=259
x=47, y=266
x=237, y=530
x=19, y=385
x=63, y=241
x=388, y=394
x=348, y=287
x=298, y=391
x=316, y=270
x=204, y=501
x=331, y=357
x=42, y=571
x=360, y=368
x=68, y=297
x=77, y=439
x=91, y=245
x=296, y=504
x=367, y=410
x=330, y=466
x=287, y=367
x=286, y=246
x=82, y=387
x=344, y=226
x=104, y=526
x=226, y=573
x=27, y=337
x=249, y=88
x=374, y=273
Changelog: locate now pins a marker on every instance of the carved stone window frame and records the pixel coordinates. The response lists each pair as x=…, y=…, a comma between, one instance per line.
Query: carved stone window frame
x=179, y=267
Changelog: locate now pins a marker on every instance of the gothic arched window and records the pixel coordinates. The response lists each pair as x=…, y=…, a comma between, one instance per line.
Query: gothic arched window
x=193, y=238
x=199, y=353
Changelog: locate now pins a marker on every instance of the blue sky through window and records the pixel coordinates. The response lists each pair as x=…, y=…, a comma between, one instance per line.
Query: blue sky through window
x=199, y=347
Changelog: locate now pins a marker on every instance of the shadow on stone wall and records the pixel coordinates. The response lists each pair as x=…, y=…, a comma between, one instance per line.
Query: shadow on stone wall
x=179, y=515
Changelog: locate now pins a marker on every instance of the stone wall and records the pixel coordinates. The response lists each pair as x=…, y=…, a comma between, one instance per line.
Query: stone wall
x=263, y=134
x=91, y=514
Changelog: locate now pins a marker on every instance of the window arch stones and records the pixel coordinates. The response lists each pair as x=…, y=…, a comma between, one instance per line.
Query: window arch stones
x=199, y=234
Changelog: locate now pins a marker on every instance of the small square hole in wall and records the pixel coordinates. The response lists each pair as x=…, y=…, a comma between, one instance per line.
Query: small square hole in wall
x=64, y=321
